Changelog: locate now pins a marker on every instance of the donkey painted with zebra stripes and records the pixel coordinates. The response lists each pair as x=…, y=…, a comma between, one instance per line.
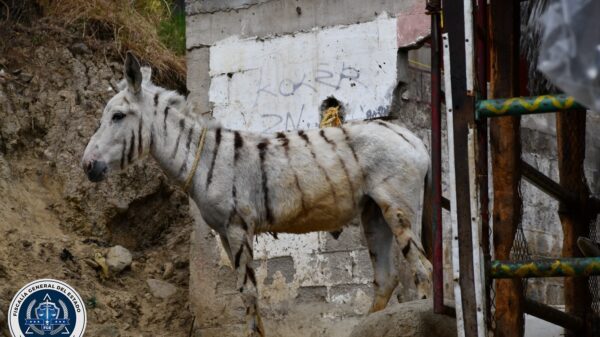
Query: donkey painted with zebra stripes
x=292, y=182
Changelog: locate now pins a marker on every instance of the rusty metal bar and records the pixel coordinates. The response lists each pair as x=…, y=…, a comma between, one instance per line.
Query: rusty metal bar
x=481, y=72
x=433, y=8
x=517, y=106
x=564, y=267
x=546, y=184
x=575, y=218
x=553, y=315
x=462, y=111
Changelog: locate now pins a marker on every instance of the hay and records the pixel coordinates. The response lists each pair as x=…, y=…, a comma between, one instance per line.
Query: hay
x=131, y=25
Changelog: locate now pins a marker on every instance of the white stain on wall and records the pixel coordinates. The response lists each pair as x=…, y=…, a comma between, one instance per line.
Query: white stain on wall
x=279, y=83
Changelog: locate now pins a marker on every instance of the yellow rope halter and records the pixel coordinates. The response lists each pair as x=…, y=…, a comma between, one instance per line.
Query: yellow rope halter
x=331, y=117
x=190, y=176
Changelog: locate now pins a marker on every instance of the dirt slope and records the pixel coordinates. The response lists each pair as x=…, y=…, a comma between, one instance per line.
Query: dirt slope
x=53, y=86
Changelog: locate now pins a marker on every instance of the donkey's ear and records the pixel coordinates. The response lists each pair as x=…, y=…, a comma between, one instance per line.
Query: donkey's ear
x=133, y=73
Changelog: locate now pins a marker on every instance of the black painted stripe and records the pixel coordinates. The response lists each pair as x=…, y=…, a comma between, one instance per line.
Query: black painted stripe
x=131, y=147
x=181, y=128
x=215, y=152
x=140, y=144
x=183, y=167
x=304, y=136
x=285, y=142
x=238, y=256
x=123, y=150
x=190, y=135
x=238, y=143
x=251, y=275
x=302, y=200
x=394, y=131
x=349, y=143
x=262, y=151
x=165, y=119
x=329, y=141
x=348, y=180
x=406, y=249
x=151, y=136
x=342, y=163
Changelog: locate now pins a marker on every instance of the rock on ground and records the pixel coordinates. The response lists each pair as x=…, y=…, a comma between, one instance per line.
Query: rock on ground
x=408, y=319
x=118, y=258
x=161, y=289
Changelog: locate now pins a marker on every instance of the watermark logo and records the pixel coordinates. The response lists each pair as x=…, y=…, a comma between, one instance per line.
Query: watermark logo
x=47, y=307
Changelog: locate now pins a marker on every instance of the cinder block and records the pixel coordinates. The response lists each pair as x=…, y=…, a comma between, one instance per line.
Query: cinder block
x=362, y=268
x=284, y=265
x=350, y=293
x=351, y=238
x=312, y=294
x=336, y=267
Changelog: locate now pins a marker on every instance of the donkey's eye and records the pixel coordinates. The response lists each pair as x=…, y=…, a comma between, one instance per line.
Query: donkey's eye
x=118, y=116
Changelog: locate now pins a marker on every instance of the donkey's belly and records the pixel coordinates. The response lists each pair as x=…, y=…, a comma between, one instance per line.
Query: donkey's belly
x=325, y=215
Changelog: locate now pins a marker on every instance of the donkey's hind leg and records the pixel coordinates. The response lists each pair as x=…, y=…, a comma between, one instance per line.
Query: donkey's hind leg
x=384, y=253
x=239, y=239
x=398, y=216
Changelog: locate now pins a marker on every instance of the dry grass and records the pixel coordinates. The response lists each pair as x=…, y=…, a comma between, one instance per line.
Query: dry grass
x=131, y=24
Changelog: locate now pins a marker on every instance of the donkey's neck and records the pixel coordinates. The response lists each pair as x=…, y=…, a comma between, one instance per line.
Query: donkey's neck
x=174, y=139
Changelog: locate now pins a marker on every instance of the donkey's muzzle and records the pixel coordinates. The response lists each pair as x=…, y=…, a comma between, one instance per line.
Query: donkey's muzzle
x=95, y=170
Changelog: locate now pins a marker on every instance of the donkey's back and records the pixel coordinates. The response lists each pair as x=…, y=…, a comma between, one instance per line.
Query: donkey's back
x=319, y=179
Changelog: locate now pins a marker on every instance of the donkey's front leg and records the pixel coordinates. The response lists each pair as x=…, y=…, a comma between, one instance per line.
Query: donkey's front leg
x=239, y=237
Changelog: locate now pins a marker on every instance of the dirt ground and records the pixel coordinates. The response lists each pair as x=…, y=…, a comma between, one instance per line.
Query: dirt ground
x=54, y=83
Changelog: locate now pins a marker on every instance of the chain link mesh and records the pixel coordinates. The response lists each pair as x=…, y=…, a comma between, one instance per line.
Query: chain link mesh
x=594, y=281
x=520, y=251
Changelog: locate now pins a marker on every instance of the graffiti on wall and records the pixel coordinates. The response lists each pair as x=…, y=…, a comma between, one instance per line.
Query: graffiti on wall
x=276, y=84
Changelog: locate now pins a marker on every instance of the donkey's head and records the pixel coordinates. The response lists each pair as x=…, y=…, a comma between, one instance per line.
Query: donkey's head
x=123, y=135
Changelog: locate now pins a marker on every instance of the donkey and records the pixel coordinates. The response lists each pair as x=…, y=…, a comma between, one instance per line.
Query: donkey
x=292, y=182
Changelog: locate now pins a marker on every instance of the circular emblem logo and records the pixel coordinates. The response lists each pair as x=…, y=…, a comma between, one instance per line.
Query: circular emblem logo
x=47, y=308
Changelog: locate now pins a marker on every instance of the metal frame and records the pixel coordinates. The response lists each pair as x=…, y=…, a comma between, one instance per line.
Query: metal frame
x=517, y=106
x=467, y=122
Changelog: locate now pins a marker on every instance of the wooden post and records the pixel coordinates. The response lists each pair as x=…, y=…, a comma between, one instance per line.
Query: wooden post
x=575, y=219
x=506, y=160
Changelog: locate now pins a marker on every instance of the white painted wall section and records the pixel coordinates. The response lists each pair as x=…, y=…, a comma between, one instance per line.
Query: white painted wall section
x=279, y=83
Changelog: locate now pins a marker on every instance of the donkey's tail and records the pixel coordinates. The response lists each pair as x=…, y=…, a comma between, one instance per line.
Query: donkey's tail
x=427, y=215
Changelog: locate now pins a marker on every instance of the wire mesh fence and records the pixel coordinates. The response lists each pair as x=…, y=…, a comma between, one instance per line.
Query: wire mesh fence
x=594, y=281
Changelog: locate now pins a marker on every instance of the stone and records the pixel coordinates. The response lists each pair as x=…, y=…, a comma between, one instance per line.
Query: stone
x=80, y=48
x=168, y=270
x=161, y=289
x=118, y=258
x=408, y=319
